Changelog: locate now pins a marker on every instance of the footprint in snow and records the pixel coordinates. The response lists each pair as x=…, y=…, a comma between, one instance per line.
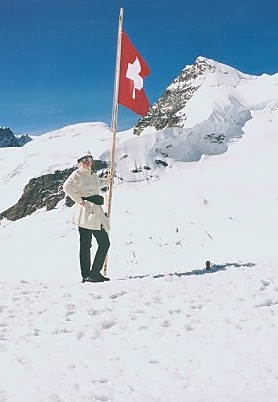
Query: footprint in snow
x=16, y=298
x=116, y=295
x=165, y=323
x=189, y=327
x=103, y=398
x=267, y=303
x=154, y=361
x=265, y=284
x=108, y=324
x=79, y=335
x=61, y=331
x=101, y=380
x=70, y=310
x=25, y=292
x=93, y=311
x=96, y=297
x=175, y=311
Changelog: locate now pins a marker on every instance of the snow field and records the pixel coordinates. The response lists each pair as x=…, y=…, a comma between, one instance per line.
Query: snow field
x=197, y=335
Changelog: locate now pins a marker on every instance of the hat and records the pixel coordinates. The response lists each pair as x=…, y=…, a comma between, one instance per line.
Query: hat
x=88, y=153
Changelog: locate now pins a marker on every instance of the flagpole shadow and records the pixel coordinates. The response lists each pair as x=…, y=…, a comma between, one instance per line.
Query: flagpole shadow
x=212, y=270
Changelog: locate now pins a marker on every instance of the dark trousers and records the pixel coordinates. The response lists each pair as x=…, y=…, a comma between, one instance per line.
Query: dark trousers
x=85, y=237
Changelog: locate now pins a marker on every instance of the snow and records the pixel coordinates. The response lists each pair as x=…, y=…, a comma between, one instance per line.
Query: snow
x=196, y=336
x=223, y=87
x=164, y=328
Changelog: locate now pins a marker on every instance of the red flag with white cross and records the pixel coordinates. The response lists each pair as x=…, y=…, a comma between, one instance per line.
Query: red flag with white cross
x=133, y=70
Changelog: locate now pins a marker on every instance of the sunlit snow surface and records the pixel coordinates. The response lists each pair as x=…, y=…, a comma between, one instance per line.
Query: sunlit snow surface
x=164, y=328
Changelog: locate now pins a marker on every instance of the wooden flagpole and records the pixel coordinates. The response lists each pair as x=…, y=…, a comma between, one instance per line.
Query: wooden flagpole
x=111, y=169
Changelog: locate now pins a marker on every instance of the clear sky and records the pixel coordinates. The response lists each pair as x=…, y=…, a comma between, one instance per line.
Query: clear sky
x=57, y=57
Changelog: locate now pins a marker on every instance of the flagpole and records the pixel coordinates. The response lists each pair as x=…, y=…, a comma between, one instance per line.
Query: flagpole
x=114, y=115
x=111, y=168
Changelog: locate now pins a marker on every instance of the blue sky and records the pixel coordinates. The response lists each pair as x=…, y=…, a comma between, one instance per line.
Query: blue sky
x=57, y=57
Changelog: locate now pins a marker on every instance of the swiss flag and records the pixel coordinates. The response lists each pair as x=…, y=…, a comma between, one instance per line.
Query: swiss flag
x=133, y=70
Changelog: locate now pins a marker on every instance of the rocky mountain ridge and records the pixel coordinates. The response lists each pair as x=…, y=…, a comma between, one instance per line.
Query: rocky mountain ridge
x=201, y=112
x=164, y=113
x=168, y=110
x=8, y=139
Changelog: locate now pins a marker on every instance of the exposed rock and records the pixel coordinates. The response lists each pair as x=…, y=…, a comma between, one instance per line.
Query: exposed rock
x=8, y=139
x=45, y=192
x=23, y=139
x=164, y=113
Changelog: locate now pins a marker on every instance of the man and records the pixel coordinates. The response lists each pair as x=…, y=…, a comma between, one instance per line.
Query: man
x=83, y=187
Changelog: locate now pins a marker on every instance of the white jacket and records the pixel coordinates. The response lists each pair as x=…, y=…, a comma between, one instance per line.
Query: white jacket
x=83, y=183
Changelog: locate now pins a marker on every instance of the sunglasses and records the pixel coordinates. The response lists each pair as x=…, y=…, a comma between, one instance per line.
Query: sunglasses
x=86, y=159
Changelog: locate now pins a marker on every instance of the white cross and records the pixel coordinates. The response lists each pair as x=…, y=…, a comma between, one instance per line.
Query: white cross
x=133, y=70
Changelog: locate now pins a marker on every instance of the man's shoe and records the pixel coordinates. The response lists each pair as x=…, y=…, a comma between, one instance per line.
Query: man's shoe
x=89, y=279
x=97, y=277
x=104, y=278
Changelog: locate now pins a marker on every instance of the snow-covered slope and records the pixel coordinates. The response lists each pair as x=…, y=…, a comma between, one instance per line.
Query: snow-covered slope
x=164, y=329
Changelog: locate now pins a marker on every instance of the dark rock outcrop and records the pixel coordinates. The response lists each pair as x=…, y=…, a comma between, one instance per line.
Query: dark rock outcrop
x=8, y=139
x=45, y=192
x=165, y=112
x=23, y=139
x=41, y=192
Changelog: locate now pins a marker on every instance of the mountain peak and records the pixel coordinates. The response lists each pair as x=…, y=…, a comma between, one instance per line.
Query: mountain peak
x=210, y=62
x=8, y=139
x=216, y=66
x=168, y=111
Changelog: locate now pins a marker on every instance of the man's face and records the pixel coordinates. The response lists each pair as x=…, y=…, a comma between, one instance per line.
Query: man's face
x=86, y=162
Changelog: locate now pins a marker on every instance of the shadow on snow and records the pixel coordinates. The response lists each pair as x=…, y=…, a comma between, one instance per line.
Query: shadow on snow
x=213, y=269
